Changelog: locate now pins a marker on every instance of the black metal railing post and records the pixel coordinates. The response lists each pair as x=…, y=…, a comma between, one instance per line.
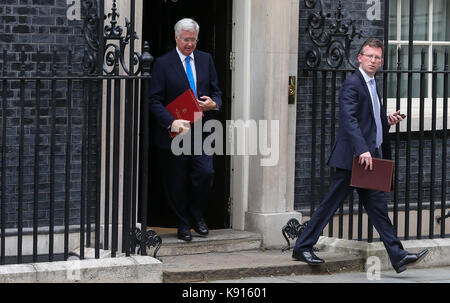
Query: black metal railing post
x=128, y=160
x=36, y=157
x=444, y=145
x=116, y=154
x=386, y=51
x=313, y=141
x=133, y=101
x=68, y=164
x=3, y=148
x=87, y=181
x=433, y=144
x=107, y=187
x=397, y=142
x=408, y=121
x=51, y=223
x=146, y=61
x=135, y=150
x=99, y=125
x=84, y=159
x=129, y=101
x=421, y=147
x=21, y=157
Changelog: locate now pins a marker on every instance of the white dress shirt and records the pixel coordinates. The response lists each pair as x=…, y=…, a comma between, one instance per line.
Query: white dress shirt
x=367, y=78
x=192, y=63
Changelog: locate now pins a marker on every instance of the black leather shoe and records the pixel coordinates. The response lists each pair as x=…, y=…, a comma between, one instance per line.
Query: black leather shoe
x=201, y=228
x=308, y=257
x=184, y=235
x=409, y=259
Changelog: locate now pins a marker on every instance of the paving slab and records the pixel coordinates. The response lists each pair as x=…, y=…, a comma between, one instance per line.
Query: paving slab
x=258, y=263
x=132, y=269
x=411, y=275
x=219, y=240
x=257, y=280
x=420, y=275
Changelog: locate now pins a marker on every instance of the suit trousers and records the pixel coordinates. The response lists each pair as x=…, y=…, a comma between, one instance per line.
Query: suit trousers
x=187, y=182
x=375, y=205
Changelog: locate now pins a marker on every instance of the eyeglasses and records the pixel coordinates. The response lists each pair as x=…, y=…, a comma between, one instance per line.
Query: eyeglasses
x=187, y=40
x=373, y=57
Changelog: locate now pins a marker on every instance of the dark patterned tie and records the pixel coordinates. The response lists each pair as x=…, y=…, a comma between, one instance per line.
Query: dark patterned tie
x=376, y=111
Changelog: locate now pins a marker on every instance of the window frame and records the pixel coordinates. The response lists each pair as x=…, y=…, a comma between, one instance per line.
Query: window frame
x=429, y=45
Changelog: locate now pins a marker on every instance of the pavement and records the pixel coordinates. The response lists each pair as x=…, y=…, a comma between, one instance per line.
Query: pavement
x=255, y=263
x=411, y=275
x=229, y=257
x=209, y=260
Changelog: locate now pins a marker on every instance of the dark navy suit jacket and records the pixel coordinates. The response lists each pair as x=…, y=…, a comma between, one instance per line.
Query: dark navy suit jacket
x=357, y=129
x=169, y=80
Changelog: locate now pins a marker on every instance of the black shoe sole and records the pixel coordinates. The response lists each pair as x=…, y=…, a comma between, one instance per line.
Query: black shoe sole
x=401, y=269
x=202, y=234
x=309, y=263
x=186, y=238
x=404, y=267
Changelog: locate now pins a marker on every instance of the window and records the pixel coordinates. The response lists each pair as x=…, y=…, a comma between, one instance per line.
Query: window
x=431, y=33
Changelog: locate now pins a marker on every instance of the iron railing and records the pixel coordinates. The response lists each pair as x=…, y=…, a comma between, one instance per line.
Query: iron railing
x=66, y=121
x=420, y=152
x=418, y=187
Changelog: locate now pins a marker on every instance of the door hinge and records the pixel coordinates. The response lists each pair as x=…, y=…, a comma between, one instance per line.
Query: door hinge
x=292, y=90
x=232, y=60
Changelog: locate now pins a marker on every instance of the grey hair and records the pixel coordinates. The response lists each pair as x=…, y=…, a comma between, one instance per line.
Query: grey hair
x=186, y=24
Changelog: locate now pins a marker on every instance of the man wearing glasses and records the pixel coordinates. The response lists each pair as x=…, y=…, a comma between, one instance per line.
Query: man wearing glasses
x=363, y=132
x=187, y=179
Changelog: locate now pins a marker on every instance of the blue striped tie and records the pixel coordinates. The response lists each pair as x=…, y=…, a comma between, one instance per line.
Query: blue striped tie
x=376, y=112
x=190, y=75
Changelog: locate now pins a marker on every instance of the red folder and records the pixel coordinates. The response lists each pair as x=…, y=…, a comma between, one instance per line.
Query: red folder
x=184, y=107
x=379, y=178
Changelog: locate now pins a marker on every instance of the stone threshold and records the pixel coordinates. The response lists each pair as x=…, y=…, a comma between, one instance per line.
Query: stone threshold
x=245, y=264
x=439, y=250
x=219, y=240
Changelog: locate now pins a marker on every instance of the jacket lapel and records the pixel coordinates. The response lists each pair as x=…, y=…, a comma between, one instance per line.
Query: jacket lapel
x=369, y=98
x=198, y=67
x=177, y=66
x=366, y=90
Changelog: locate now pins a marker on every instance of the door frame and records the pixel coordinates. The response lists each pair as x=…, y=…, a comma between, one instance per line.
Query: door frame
x=226, y=87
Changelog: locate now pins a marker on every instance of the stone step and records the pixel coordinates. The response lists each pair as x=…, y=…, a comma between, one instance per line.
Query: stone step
x=246, y=264
x=220, y=240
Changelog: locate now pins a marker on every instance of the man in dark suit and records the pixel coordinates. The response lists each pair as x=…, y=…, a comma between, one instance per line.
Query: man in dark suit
x=187, y=179
x=363, y=132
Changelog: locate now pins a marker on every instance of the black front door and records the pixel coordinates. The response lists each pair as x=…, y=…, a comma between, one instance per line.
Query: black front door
x=214, y=18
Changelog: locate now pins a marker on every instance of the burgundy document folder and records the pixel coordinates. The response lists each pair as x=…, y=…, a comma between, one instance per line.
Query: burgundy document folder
x=184, y=107
x=379, y=178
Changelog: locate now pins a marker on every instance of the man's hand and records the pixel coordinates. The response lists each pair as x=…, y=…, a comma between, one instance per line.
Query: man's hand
x=395, y=118
x=366, y=159
x=180, y=126
x=208, y=104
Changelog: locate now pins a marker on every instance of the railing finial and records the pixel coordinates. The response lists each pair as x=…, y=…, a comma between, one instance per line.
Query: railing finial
x=146, y=59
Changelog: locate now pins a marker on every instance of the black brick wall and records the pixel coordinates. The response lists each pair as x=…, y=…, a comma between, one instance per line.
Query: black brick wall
x=42, y=25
